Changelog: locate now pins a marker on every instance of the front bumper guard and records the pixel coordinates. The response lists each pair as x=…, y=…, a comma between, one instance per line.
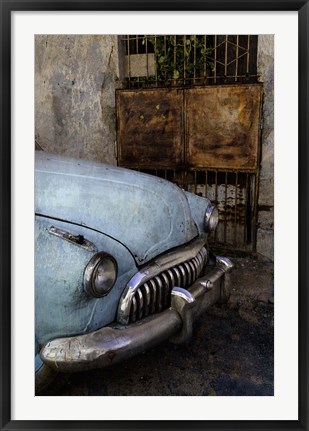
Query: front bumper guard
x=112, y=344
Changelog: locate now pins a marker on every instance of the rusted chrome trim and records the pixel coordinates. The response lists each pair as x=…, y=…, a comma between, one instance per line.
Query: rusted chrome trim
x=206, y=291
x=89, y=274
x=211, y=218
x=154, y=268
x=224, y=262
x=109, y=345
x=183, y=294
x=78, y=240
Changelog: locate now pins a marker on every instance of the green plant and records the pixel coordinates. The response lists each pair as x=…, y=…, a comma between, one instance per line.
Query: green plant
x=181, y=58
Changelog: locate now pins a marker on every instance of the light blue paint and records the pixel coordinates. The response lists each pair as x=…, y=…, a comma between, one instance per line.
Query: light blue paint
x=198, y=206
x=147, y=214
x=62, y=307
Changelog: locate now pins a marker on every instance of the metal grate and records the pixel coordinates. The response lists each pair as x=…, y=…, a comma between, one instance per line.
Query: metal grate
x=181, y=60
x=233, y=192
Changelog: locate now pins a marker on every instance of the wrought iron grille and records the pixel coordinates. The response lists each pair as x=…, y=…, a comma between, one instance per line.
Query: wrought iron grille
x=178, y=60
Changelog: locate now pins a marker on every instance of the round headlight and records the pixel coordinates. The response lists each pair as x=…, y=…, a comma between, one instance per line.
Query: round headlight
x=211, y=218
x=100, y=275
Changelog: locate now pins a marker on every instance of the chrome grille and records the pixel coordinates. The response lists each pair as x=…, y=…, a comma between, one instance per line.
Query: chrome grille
x=154, y=295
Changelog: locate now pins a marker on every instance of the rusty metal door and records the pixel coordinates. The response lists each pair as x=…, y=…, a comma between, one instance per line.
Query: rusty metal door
x=222, y=126
x=150, y=128
x=205, y=139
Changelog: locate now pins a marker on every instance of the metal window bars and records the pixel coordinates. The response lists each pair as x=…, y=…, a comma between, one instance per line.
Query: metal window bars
x=182, y=60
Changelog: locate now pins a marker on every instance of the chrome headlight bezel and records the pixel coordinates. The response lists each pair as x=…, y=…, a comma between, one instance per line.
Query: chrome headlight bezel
x=211, y=218
x=92, y=273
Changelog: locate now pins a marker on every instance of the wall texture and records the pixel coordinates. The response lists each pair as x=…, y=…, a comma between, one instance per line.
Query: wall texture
x=76, y=77
x=265, y=233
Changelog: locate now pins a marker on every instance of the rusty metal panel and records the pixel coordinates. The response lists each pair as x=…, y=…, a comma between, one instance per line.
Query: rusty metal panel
x=223, y=126
x=150, y=128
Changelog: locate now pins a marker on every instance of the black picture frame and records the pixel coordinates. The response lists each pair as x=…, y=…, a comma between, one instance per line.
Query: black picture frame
x=6, y=7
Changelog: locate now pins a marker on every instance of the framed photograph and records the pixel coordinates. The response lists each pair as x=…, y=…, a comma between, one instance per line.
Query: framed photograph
x=256, y=55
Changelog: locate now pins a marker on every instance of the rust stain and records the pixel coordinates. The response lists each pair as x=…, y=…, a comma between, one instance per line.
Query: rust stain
x=150, y=128
x=111, y=355
x=222, y=126
x=210, y=126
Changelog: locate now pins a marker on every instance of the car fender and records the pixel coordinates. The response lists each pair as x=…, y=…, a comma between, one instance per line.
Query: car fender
x=62, y=306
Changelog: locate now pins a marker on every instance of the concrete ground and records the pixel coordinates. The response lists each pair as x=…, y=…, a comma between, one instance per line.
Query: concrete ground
x=231, y=353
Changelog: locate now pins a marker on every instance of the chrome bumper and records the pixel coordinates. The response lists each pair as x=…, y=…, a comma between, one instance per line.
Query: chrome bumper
x=113, y=344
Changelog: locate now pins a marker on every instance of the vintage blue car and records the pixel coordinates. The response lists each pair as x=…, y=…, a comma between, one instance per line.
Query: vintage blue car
x=122, y=263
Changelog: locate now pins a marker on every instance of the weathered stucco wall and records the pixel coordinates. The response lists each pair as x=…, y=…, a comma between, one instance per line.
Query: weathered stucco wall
x=76, y=77
x=265, y=232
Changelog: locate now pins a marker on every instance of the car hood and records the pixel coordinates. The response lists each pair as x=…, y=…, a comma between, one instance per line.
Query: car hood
x=148, y=215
